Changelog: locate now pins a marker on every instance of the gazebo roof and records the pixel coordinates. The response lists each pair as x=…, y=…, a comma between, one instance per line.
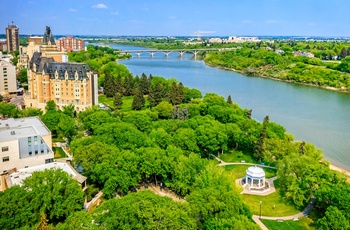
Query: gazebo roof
x=255, y=172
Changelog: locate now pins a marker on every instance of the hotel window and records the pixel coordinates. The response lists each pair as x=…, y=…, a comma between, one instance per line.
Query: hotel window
x=35, y=140
x=42, y=151
x=36, y=152
x=30, y=153
x=4, y=159
x=5, y=149
x=29, y=140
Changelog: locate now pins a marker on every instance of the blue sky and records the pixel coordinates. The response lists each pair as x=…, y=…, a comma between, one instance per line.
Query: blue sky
x=179, y=17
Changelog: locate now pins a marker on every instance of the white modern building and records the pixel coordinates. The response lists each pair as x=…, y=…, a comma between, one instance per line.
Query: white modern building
x=24, y=142
x=8, y=82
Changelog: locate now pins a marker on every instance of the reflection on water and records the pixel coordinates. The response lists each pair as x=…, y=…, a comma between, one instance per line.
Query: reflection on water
x=318, y=116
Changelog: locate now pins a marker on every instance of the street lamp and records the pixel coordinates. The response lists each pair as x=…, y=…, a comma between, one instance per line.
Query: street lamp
x=260, y=208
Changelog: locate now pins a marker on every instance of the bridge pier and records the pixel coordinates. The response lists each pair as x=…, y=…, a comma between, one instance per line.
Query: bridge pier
x=181, y=53
x=167, y=53
x=138, y=54
x=152, y=54
x=195, y=52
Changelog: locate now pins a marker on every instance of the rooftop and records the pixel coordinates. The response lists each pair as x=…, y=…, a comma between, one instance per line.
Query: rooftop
x=21, y=174
x=13, y=129
x=255, y=171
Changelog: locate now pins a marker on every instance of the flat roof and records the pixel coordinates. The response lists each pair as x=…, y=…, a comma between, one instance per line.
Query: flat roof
x=18, y=177
x=13, y=129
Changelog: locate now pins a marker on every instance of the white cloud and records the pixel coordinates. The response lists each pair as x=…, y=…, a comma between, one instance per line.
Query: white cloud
x=115, y=13
x=100, y=6
x=72, y=10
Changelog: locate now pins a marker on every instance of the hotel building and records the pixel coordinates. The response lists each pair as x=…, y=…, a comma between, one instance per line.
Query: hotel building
x=52, y=77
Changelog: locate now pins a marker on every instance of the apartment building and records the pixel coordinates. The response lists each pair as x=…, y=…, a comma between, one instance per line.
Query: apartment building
x=8, y=82
x=70, y=44
x=12, y=38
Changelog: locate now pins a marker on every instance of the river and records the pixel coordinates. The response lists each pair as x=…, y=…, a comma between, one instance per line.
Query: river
x=315, y=115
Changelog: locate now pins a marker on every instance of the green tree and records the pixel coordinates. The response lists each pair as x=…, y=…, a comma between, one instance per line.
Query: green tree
x=333, y=220
x=66, y=127
x=229, y=100
x=88, y=152
x=128, y=85
x=155, y=95
x=16, y=209
x=259, y=153
x=343, y=53
x=50, y=106
x=139, y=100
x=109, y=85
x=30, y=112
x=144, y=84
x=22, y=76
x=8, y=110
x=118, y=102
x=128, y=212
x=164, y=109
x=119, y=85
x=54, y=193
x=69, y=110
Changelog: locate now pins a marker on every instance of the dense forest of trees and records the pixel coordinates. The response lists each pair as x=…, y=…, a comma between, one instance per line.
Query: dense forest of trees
x=300, y=69
x=169, y=142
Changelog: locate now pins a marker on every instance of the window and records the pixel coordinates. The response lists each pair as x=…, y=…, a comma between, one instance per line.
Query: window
x=48, y=160
x=5, y=149
x=36, y=152
x=30, y=153
x=5, y=159
x=35, y=140
x=42, y=151
x=29, y=140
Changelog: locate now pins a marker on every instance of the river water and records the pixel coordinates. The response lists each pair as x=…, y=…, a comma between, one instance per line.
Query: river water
x=315, y=115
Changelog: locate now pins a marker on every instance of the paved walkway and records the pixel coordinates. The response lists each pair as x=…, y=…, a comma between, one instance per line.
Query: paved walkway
x=266, y=192
x=223, y=163
x=89, y=204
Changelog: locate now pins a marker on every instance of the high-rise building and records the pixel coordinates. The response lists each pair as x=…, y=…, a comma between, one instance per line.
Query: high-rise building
x=52, y=77
x=12, y=38
x=70, y=44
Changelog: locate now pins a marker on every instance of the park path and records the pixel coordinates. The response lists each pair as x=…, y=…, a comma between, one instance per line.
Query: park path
x=305, y=212
x=257, y=218
x=223, y=163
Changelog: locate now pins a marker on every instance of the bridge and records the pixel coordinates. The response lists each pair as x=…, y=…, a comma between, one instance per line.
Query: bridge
x=167, y=52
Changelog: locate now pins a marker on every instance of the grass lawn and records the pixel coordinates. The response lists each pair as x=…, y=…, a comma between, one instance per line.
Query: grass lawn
x=281, y=208
x=302, y=223
x=239, y=171
x=59, y=153
x=127, y=102
x=237, y=156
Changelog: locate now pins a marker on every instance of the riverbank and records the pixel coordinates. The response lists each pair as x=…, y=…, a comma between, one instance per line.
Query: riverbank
x=341, y=170
x=278, y=79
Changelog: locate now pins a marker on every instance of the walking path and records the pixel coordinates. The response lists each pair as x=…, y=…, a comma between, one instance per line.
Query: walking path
x=305, y=212
x=97, y=197
x=223, y=163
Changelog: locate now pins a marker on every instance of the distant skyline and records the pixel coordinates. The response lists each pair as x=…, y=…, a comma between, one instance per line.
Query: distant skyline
x=179, y=18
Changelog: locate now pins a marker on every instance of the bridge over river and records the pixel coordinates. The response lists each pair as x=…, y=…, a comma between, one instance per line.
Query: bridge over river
x=166, y=52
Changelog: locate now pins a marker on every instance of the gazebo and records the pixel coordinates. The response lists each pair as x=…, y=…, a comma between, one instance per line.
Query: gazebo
x=255, y=178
